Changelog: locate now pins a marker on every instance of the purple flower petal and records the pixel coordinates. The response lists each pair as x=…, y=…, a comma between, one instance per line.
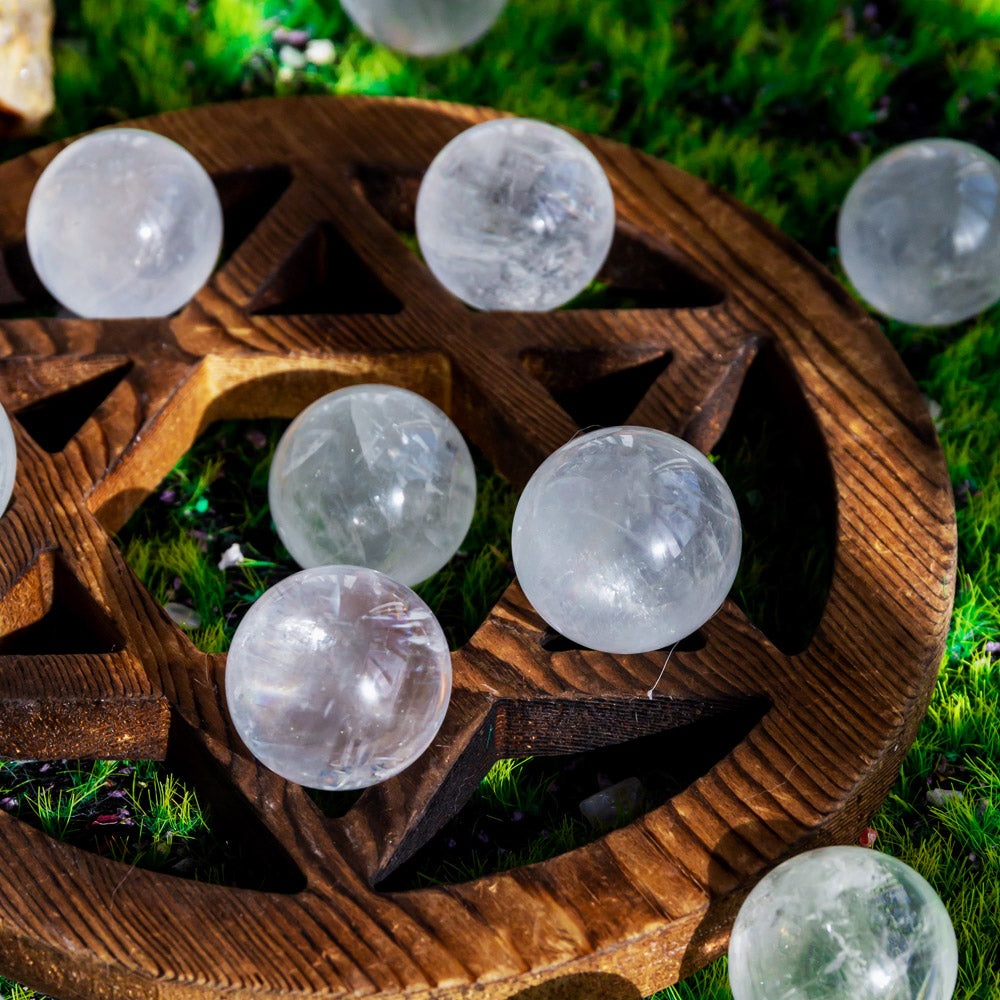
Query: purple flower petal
x=296, y=37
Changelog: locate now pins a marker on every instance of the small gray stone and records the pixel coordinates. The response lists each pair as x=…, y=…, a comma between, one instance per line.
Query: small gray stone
x=613, y=806
x=940, y=797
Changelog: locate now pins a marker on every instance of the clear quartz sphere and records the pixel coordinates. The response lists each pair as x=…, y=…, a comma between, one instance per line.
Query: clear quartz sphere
x=626, y=539
x=124, y=223
x=919, y=232
x=373, y=475
x=843, y=922
x=515, y=214
x=338, y=677
x=8, y=460
x=424, y=27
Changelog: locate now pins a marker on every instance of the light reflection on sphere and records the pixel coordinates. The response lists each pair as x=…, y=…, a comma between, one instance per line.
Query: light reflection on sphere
x=843, y=922
x=124, y=223
x=626, y=539
x=373, y=475
x=338, y=677
x=919, y=232
x=515, y=214
x=424, y=27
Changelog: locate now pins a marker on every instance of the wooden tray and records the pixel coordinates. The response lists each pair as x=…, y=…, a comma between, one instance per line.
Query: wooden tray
x=619, y=918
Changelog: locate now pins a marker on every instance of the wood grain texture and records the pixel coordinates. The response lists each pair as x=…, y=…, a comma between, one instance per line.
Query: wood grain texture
x=315, y=188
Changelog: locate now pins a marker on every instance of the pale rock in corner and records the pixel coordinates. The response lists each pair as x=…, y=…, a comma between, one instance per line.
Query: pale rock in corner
x=26, y=92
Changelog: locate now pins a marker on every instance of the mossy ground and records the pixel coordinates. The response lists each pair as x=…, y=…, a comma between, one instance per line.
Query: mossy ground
x=782, y=103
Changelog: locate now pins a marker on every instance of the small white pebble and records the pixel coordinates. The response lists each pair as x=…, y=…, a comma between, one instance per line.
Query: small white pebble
x=320, y=52
x=231, y=557
x=291, y=57
x=182, y=615
x=935, y=409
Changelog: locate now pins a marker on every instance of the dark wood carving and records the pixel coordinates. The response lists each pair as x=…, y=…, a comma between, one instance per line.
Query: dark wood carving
x=104, y=409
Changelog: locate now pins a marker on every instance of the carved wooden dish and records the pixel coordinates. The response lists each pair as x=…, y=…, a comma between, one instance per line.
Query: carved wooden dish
x=619, y=918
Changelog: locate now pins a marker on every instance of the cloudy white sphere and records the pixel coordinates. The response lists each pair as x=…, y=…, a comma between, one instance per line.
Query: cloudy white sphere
x=919, y=232
x=515, y=214
x=338, y=677
x=124, y=223
x=373, y=475
x=626, y=539
x=843, y=922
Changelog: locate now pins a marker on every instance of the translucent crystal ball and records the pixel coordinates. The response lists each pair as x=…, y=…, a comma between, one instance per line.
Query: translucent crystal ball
x=426, y=28
x=515, y=214
x=843, y=922
x=919, y=232
x=8, y=460
x=124, y=223
x=338, y=677
x=372, y=475
x=626, y=539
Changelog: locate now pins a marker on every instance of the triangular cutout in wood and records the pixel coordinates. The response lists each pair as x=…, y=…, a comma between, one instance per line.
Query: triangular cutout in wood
x=392, y=193
x=74, y=621
x=597, y=386
x=773, y=455
x=241, y=851
x=25, y=381
x=534, y=814
x=231, y=847
x=58, y=415
x=323, y=274
x=641, y=273
x=247, y=196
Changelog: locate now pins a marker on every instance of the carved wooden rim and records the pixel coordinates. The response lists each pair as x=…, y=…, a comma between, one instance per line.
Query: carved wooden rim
x=632, y=911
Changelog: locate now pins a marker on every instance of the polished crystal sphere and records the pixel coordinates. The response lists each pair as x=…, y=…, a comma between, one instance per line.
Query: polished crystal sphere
x=124, y=223
x=919, y=232
x=8, y=460
x=427, y=27
x=626, y=539
x=515, y=214
x=376, y=476
x=843, y=922
x=338, y=677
